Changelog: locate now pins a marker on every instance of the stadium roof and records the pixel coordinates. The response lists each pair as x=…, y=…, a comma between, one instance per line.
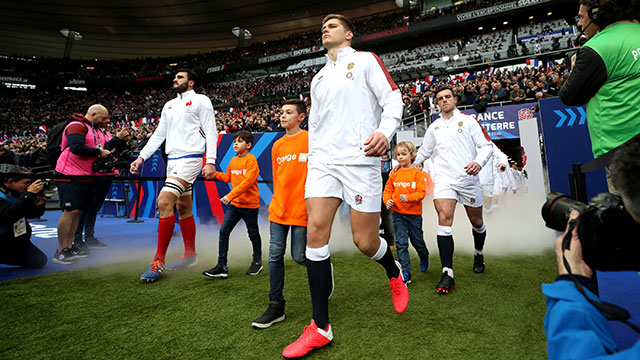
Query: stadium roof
x=116, y=29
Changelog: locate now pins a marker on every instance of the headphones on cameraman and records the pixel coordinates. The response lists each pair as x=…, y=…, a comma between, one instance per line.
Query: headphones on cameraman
x=602, y=14
x=594, y=9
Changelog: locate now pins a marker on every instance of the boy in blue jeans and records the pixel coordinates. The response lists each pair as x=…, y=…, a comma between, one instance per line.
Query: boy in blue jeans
x=287, y=208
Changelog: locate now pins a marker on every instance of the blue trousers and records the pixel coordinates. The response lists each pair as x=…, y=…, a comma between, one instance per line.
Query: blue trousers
x=409, y=227
x=231, y=218
x=277, y=248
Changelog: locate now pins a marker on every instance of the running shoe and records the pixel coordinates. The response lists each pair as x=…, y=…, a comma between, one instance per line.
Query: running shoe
x=407, y=277
x=95, y=242
x=424, y=265
x=254, y=268
x=79, y=252
x=219, y=271
x=64, y=257
x=273, y=314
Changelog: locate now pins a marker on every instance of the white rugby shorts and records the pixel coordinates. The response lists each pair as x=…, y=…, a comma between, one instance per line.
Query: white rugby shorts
x=468, y=195
x=186, y=169
x=360, y=186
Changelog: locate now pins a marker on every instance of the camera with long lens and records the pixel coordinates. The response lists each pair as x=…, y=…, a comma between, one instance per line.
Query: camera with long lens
x=610, y=238
x=119, y=160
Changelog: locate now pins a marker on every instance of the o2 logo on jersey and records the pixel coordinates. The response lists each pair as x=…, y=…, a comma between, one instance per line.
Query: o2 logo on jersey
x=237, y=172
x=288, y=157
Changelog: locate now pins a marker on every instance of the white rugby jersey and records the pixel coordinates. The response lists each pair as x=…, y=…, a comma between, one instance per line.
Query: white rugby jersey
x=453, y=144
x=351, y=98
x=489, y=173
x=189, y=126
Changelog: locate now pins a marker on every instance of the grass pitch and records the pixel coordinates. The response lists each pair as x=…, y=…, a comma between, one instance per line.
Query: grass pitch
x=107, y=313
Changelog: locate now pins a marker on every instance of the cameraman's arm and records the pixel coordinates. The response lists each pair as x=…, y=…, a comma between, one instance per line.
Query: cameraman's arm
x=35, y=211
x=10, y=213
x=574, y=327
x=76, y=134
x=115, y=144
x=587, y=77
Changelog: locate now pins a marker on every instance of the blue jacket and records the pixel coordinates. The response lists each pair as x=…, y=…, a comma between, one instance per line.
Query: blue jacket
x=576, y=329
x=13, y=209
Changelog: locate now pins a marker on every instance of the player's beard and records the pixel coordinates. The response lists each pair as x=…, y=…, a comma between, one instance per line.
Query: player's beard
x=181, y=88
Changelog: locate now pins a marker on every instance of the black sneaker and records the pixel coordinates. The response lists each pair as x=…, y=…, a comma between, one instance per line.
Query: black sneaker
x=78, y=253
x=219, y=271
x=255, y=268
x=64, y=257
x=82, y=248
x=95, y=242
x=273, y=314
x=446, y=284
x=478, y=263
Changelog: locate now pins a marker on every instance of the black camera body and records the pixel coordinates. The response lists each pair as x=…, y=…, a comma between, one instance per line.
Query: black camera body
x=610, y=238
x=118, y=160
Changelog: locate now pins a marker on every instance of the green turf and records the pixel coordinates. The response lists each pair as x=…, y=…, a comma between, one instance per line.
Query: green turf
x=106, y=312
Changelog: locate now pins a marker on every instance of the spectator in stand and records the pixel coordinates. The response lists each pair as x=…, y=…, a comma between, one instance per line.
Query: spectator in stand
x=482, y=100
x=7, y=156
x=498, y=93
x=532, y=89
x=517, y=95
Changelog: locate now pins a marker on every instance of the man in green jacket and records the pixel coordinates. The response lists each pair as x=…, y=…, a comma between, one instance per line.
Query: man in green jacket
x=606, y=72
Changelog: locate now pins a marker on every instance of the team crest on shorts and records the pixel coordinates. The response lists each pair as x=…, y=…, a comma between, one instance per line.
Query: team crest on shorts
x=358, y=200
x=473, y=200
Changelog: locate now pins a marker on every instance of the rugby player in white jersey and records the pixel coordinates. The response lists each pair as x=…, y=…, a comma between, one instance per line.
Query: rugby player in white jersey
x=355, y=110
x=188, y=125
x=459, y=148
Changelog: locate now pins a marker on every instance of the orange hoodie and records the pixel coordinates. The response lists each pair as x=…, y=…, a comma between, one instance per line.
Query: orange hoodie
x=289, y=163
x=242, y=173
x=410, y=182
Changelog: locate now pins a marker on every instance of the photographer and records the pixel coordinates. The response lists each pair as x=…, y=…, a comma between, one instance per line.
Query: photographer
x=83, y=142
x=606, y=72
x=20, y=199
x=575, y=328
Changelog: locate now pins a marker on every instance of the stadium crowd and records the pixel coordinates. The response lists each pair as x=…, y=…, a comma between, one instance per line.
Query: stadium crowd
x=132, y=68
x=250, y=104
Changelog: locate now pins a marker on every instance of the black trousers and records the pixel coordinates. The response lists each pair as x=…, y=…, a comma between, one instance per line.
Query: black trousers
x=21, y=252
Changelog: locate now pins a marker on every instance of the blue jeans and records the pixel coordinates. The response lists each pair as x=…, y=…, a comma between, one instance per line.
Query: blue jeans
x=277, y=248
x=409, y=227
x=231, y=218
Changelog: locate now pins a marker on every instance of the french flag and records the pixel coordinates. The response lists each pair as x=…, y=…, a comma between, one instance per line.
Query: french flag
x=468, y=76
x=549, y=65
x=42, y=129
x=489, y=71
x=416, y=87
x=430, y=79
x=231, y=110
